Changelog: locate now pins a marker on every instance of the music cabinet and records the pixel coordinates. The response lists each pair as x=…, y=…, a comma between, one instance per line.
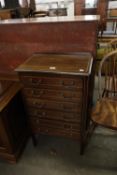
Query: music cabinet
x=57, y=93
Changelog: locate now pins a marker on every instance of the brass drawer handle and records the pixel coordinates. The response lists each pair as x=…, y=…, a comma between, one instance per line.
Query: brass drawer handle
x=47, y=130
x=38, y=93
x=66, y=96
x=64, y=107
x=43, y=113
x=67, y=126
x=40, y=105
x=37, y=113
x=37, y=121
x=66, y=118
x=71, y=83
x=35, y=81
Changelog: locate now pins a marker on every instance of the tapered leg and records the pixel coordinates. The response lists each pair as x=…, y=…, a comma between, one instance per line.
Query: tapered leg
x=34, y=140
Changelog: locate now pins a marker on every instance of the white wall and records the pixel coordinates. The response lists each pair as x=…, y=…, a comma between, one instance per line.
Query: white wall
x=47, y=4
x=90, y=3
x=112, y=4
x=2, y=3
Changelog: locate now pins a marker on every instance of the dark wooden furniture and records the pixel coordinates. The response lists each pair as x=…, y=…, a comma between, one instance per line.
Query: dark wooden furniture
x=101, y=9
x=7, y=14
x=23, y=12
x=79, y=5
x=56, y=94
x=13, y=127
x=89, y=11
x=20, y=38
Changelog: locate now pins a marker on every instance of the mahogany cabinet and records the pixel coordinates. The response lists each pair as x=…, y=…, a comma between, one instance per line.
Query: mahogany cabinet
x=13, y=124
x=56, y=94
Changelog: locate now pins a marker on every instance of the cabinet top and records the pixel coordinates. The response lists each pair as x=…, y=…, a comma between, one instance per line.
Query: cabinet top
x=51, y=19
x=72, y=64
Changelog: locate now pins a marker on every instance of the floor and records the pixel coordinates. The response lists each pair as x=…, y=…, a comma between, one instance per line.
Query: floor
x=60, y=156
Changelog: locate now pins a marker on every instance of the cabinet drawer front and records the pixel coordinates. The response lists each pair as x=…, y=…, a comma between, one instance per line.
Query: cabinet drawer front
x=52, y=82
x=45, y=123
x=53, y=94
x=57, y=132
x=55, y=115
x=44, y=104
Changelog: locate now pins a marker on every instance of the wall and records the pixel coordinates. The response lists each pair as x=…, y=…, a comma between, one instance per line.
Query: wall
x=54, y=4
x=112, y=4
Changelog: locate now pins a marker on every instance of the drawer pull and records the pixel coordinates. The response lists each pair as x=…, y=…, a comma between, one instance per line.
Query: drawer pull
x=67, y=96
x=38, y=93
x=46, y=130
x=67, y=127
x=37, y=121
x=71, y=83
x=35, y=81
x=43, y=114
x=40, y=105
x=37, y=113
x=64, y=107
x=66, y=118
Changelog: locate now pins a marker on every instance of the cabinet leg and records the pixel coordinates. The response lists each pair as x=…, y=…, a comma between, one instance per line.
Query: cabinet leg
x=85, y=141
x=81, y=149
x=34, y=140
x=81, y=152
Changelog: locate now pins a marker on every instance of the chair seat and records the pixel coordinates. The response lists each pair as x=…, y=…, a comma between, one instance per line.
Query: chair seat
x=105, y=113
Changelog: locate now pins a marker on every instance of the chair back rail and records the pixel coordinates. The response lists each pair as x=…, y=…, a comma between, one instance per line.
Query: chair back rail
x=109, y=75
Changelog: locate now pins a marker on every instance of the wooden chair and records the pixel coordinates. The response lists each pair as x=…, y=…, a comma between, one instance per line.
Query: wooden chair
x=113, y=44
x=5, y=14
x=102, y=51
x=104, y=112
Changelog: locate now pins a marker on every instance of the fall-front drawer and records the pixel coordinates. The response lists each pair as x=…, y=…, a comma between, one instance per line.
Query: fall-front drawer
x=55, y=124
x=57, y=132
x=46, y=104
x=55, y=115
x=60, y=95
x=52, y=82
